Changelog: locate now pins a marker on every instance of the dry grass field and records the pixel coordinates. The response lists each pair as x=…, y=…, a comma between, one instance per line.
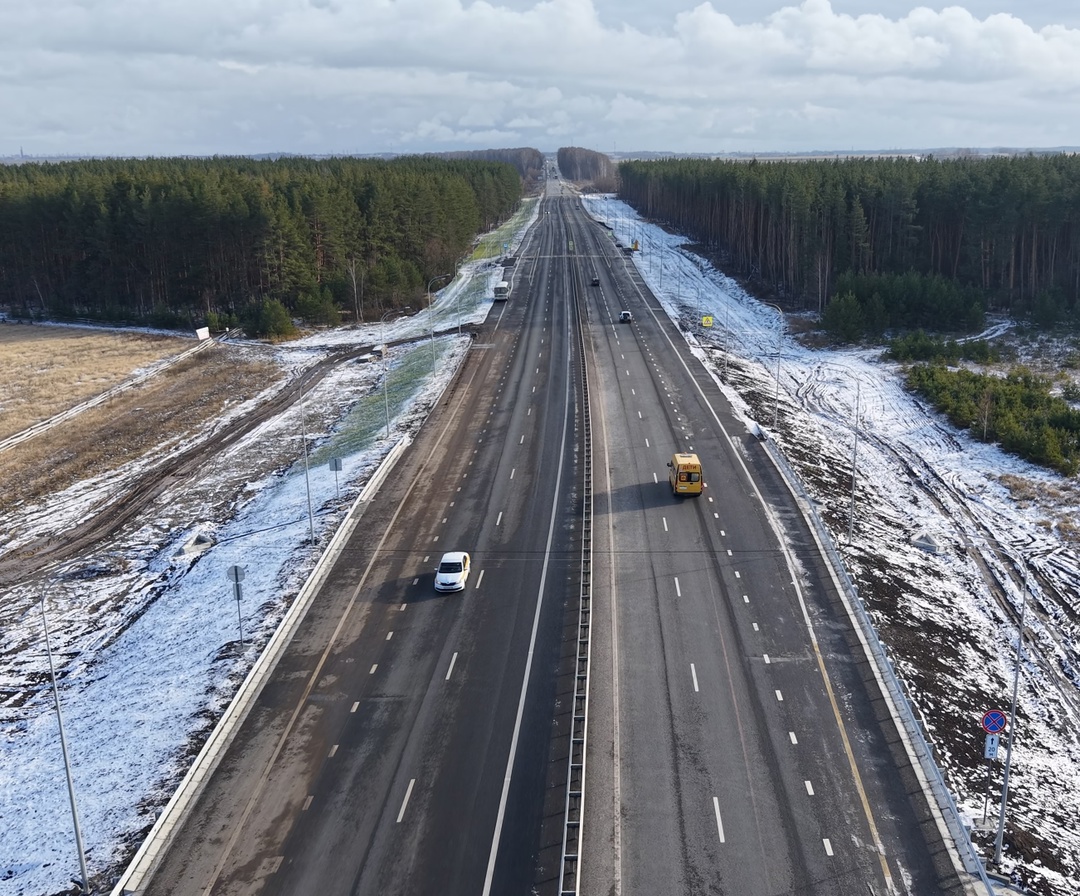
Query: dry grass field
x=46, y=370
x=166, y=408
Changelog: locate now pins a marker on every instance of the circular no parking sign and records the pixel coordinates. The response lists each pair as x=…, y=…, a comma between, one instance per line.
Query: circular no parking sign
x=994, y=721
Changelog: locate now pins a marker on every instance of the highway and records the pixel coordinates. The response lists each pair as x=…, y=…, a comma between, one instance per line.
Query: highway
x=415, y=743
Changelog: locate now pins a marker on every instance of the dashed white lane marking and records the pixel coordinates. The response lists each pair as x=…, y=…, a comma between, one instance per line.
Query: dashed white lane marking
x=779, y=697
x=333, y=750
x=405, y=802
x=664, y=518
x=498, y=519
x=766, y=658
x=729, y=552
x=512, y=472
x=828, y=846
x=693, y=673
x=453, y=660
x=639, y=416
x=654, y=479
x=746, y=598
x=678, y=590
x=646, y=443
x=417, y=579
x=389, y=635
x=521, y=441
x=738, y=574
x=355, y=706
x=371, y=671
x=719, y=821
x=401, y=609
x=307, y=802
x=479, y=579
x=794, y=739
x=809, y=788
x=755, y=625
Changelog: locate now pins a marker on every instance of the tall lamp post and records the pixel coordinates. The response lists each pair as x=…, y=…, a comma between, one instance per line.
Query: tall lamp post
x=84, y=884
x=431, y=314
x=779, y=344
x=999, y=840
x=386, y=371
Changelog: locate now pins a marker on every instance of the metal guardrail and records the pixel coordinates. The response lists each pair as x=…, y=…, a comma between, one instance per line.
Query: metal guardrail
x=904, y=713
x=574, y=811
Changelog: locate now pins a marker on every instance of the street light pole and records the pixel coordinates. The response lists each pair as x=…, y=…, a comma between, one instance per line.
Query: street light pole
x=999, y=839
x=431, y=315
x=386, y=372
x=84, y=884
x=307, y=474
x=779, y=344
x=854, y=451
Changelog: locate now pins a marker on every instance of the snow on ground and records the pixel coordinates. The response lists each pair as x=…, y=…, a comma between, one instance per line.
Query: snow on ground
x=949, y=620
x=147, y=644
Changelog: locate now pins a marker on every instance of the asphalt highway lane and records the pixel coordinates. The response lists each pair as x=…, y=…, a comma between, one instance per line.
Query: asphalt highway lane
x=738, y=743
x=414, y=743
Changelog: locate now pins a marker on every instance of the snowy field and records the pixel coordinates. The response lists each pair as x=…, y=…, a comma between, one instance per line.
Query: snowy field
x=147, y=642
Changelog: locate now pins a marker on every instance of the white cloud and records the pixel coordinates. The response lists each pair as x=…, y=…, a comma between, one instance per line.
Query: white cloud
x=412, y=75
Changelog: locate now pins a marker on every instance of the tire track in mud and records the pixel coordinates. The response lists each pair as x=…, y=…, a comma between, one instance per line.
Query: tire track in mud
x=1001, y=569
x=1001, y=566
x=29, y=560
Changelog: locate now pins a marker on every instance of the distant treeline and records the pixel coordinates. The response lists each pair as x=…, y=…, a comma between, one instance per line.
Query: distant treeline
x=182, y=241
x=586, y=166
x=1001, y=233
x=528, y=162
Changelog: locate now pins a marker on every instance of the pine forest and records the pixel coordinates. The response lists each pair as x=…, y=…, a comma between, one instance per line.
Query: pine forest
x=916, y=242
x=181, y=242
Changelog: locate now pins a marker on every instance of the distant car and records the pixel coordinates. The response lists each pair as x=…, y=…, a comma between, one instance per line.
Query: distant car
x=625, y=317
x=453, y=571
x=595, y=281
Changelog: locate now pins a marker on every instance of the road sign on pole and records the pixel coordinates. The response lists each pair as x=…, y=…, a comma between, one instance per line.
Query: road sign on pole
x=994, y=721
x=990, y=749
x=236, y=576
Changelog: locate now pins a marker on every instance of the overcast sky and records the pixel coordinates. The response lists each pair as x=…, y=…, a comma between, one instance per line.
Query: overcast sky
x=201, y=77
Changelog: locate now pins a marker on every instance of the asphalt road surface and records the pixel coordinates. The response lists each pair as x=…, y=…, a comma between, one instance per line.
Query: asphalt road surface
x=415, y=743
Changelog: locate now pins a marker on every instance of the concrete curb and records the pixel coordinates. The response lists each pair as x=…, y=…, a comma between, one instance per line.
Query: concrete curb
x=150, y=854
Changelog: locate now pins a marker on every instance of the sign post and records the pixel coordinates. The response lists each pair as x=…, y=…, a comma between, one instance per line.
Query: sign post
x=236, y=576
x=994, y=722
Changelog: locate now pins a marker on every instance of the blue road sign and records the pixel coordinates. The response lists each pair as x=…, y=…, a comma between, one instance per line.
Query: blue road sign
x=994, y=721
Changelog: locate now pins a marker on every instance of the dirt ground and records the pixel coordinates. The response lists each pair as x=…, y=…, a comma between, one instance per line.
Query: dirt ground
x=46, y=370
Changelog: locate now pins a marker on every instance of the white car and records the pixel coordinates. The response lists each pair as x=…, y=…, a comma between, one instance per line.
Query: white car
x=625, y=317
x=453, y=571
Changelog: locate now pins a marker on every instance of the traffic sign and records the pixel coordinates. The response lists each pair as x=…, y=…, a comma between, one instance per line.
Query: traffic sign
x=706, y=321
x=994, y=721
x=990, y=749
